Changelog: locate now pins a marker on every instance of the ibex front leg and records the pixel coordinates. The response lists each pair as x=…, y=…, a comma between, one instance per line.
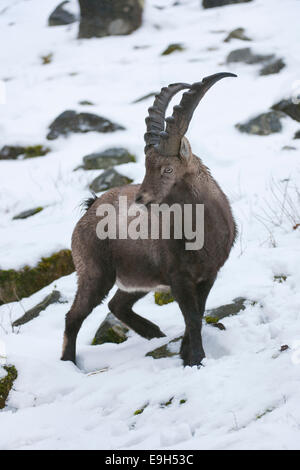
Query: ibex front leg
x=191, y=299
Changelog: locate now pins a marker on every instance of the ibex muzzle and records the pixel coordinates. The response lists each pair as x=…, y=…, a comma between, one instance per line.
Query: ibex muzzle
x=174, y=176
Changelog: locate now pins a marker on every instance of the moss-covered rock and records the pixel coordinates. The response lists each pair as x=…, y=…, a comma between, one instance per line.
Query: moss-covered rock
x=238, y=33
x=17, y=284
x=111, y=330
x=107, y=159
x=214, y=315
x=176, y=47
x=12, y=152
x=34, y=312
x=169, y=349
x=163, y=298
x=6, y=383
x=28, y=213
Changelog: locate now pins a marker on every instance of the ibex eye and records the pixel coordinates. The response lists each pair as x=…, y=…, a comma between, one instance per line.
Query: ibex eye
x=168, y=170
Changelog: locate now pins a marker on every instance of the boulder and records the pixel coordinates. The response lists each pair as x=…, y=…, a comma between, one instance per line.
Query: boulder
x=111, y=330
x=289, y=107
x=15, y=284
x=34, y=312
x=28, y=213
x=12, y=152
x=70, y=121
x=238, y=33
x=273, y=67
x=212, y=316
x=221, y=3
x=263, y=124
x=6, y=382
x=60, y=16
x=109, y=179
x=109, y=17
x=246, y=56
x=169, y=349
x=107, y=159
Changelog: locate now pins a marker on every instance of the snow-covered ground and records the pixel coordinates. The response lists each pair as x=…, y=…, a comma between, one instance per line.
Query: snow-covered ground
x=247, y=395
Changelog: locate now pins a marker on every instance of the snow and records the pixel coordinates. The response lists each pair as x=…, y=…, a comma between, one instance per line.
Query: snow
x=247, y=395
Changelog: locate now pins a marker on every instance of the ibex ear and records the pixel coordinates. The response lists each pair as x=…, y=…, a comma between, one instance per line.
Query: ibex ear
x=185, y=149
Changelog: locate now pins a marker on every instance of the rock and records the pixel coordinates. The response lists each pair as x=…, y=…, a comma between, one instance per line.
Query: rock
x=12, y=152
x=213, y=315
x=273, y=67
x=163, y=298
x=28, y=213
x=289, y=147
x=22, y=283
x=297, y=136
x=245, y=55
x=289, y=107
x=70, y=121
x=86, y=103
x=238, y=33
x=111, y=330
x=6, y=383
x=221, y=3
x=34, y=312
x=60, y=16
x=169, y=349
x=264, y=124
x=109, y=17
x=176, y=47
x=107, y=159
x=109, y=179
x=47, y=59
x=145, y=97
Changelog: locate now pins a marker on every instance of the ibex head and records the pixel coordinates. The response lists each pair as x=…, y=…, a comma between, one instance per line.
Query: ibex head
x=168, y=151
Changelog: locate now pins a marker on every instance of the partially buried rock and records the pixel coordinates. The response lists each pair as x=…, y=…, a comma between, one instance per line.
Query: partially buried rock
x=109, y=179
x=176, y=47
x=28, y=213
x=107, y=159
x=169, y=349
x=215, y=314
x=6, y=382
x=60, y=16
x=221, y=3
x=289, y=107
x=238, y=33
x=12, y=152
x=264, y=124
x=71, y=121
x=246, y=56
x=297, y=135
x=111, y=330
x=109, y=17
x=273, y=67
x=145, y=97
x=34, y=312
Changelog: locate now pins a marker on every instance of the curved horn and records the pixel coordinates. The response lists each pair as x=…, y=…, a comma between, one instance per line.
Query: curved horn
x=178, y=123
x=155, y=122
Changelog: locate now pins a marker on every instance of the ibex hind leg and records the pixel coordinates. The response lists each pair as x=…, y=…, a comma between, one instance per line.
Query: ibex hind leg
x=121, y=306
x=90, y=293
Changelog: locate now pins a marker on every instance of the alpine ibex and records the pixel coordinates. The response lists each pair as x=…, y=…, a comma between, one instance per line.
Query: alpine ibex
x=173, y=175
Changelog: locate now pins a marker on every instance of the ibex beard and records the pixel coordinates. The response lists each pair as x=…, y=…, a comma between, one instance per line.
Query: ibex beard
x=177, y=240
x=155, y=221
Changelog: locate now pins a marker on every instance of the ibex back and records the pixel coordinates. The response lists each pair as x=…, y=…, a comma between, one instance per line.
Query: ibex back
x=174, y=175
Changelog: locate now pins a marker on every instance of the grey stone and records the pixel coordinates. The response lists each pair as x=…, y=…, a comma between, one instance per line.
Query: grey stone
x=245, y=55
x=169, y=349
x=71, y=121
x=221, y=3
x=107, y=159
x=111, y=330
x=289, y=147
x=28, y=213
x=297, y=135
x=289, y=108
x=101, y=18
x=34, y=312
x=109, y=179
x=238, y=33
x=264, y=124
x=60, y=16
x=273, y=67
x=12, y=152
x=226, y=310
